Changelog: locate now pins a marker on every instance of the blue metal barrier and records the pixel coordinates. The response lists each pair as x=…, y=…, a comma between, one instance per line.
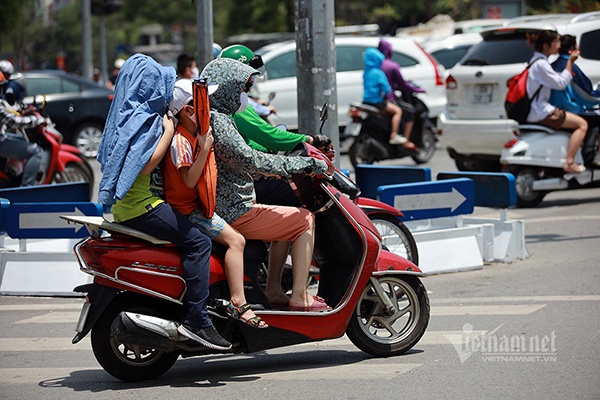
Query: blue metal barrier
x=60, y=192
x=492, y=189
x=370, y=177
x=426, y=200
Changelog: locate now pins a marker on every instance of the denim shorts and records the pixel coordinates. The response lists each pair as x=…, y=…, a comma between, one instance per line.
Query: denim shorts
x=211, y=227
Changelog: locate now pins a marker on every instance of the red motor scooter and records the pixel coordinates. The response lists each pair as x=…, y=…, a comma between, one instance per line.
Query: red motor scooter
x=137, y=299
x=61, y=163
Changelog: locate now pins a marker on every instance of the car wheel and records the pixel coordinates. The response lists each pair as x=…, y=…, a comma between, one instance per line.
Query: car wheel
x=87, y=139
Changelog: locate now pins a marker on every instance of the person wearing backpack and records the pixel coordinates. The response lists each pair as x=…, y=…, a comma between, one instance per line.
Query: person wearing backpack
x=543, y=77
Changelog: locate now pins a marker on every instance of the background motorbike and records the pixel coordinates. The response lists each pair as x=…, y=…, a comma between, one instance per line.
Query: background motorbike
x=370, y=131
x=536, y=158
x=61, y=163
x=137, y=299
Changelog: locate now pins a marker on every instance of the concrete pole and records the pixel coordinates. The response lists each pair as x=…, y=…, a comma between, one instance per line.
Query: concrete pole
x=315, y=67
x=86, y=33
x=103, y=57
x=204, y=25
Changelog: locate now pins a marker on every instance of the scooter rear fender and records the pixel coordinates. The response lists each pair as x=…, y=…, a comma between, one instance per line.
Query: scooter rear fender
x=370, y=206
x=390, y=263
x=66, y=156
x=99, y=297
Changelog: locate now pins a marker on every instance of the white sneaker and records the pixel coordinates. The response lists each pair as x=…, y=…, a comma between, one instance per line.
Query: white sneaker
x=398, y=139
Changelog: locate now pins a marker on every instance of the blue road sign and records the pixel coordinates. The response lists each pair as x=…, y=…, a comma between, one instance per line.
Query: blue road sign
x=41, y=220
x=425, y=200
x=370, y=177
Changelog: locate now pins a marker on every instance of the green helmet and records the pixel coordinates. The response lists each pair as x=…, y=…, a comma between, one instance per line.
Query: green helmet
x=242, y=53
x=237, y=52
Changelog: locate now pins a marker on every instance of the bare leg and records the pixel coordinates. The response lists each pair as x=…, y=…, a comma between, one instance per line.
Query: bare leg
x=580, y=125
x=278, y=252
x=396, y=113
x=302, y=250
x=408, y=127
x=234, y=266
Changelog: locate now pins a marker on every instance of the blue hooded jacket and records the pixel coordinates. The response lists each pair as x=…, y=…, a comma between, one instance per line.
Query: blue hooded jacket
x=579, y=95
x=133, y=127
x=375, y=83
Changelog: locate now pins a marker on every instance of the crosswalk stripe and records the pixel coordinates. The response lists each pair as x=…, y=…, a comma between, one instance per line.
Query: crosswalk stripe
x=510, y=309
x=515, y=309
x=432, y=300
x=361, y=371
x=516, y=299
x=63, y=344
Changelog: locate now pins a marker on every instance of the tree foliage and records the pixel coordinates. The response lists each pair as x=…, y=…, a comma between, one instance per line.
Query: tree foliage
x=35, y=43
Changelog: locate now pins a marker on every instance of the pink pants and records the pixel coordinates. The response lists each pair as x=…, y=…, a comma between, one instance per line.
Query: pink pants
x=274, y=223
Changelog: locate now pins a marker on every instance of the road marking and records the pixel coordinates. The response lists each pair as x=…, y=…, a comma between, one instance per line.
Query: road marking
x=432, y=300
x=360, y=371
x=520, y=299
x=63, y=344
x=41, y=307
x=516, y=309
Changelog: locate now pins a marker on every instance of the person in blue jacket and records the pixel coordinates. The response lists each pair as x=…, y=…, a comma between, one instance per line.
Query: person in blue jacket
x=136, y=136
x=376, y=88
x=580, y=95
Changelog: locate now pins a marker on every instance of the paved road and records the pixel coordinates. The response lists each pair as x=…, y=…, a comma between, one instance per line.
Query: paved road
x=527, y=330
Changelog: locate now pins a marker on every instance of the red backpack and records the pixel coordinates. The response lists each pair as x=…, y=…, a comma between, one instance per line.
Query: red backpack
x=517, y=103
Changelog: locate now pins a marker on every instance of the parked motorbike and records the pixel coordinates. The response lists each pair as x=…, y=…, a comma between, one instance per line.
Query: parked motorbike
x=61, y=163
x=137, y=298
x=536, y=158
x=370, y=132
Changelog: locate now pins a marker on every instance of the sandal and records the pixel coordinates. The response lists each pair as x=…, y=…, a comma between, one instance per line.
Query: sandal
x=573, y=168
x=236, y=313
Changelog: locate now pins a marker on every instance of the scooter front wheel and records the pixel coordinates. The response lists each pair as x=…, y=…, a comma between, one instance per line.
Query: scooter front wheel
x=396, y=237
x=384, y=332
x=129, y=362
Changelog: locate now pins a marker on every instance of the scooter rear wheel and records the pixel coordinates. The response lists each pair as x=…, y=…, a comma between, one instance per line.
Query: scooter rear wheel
x=124, y=361
x=383, y=333
x=426, y=145
x=360, y=152
x=526, y=196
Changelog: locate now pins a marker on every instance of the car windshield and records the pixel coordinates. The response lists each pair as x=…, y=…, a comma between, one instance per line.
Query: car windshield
x=499, y=50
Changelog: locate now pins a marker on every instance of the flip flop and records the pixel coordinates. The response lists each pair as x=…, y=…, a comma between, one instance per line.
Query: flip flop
x=317, y=305
x=577, y=169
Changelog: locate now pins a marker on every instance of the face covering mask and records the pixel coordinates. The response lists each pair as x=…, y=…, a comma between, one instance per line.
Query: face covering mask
x=195, y=73
x=244, y=101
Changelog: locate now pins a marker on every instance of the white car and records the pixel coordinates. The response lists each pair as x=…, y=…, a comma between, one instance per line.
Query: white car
x=452, y=49
x=280, y=63
x=474, y=126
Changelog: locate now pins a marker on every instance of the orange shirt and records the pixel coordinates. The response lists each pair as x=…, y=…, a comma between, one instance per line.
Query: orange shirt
x=180, y=154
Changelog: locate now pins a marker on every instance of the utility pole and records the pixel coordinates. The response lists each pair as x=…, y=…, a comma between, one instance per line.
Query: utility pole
x=315, y=67
x=86, y=33
x=204, y=23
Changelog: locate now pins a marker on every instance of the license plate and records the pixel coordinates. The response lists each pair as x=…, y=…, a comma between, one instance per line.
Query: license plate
x=483, y=94
x=353, y=129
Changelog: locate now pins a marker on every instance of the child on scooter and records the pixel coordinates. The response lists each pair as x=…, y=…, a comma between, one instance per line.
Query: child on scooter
x=182, y=168
x=134, y=141
x=376, y=88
